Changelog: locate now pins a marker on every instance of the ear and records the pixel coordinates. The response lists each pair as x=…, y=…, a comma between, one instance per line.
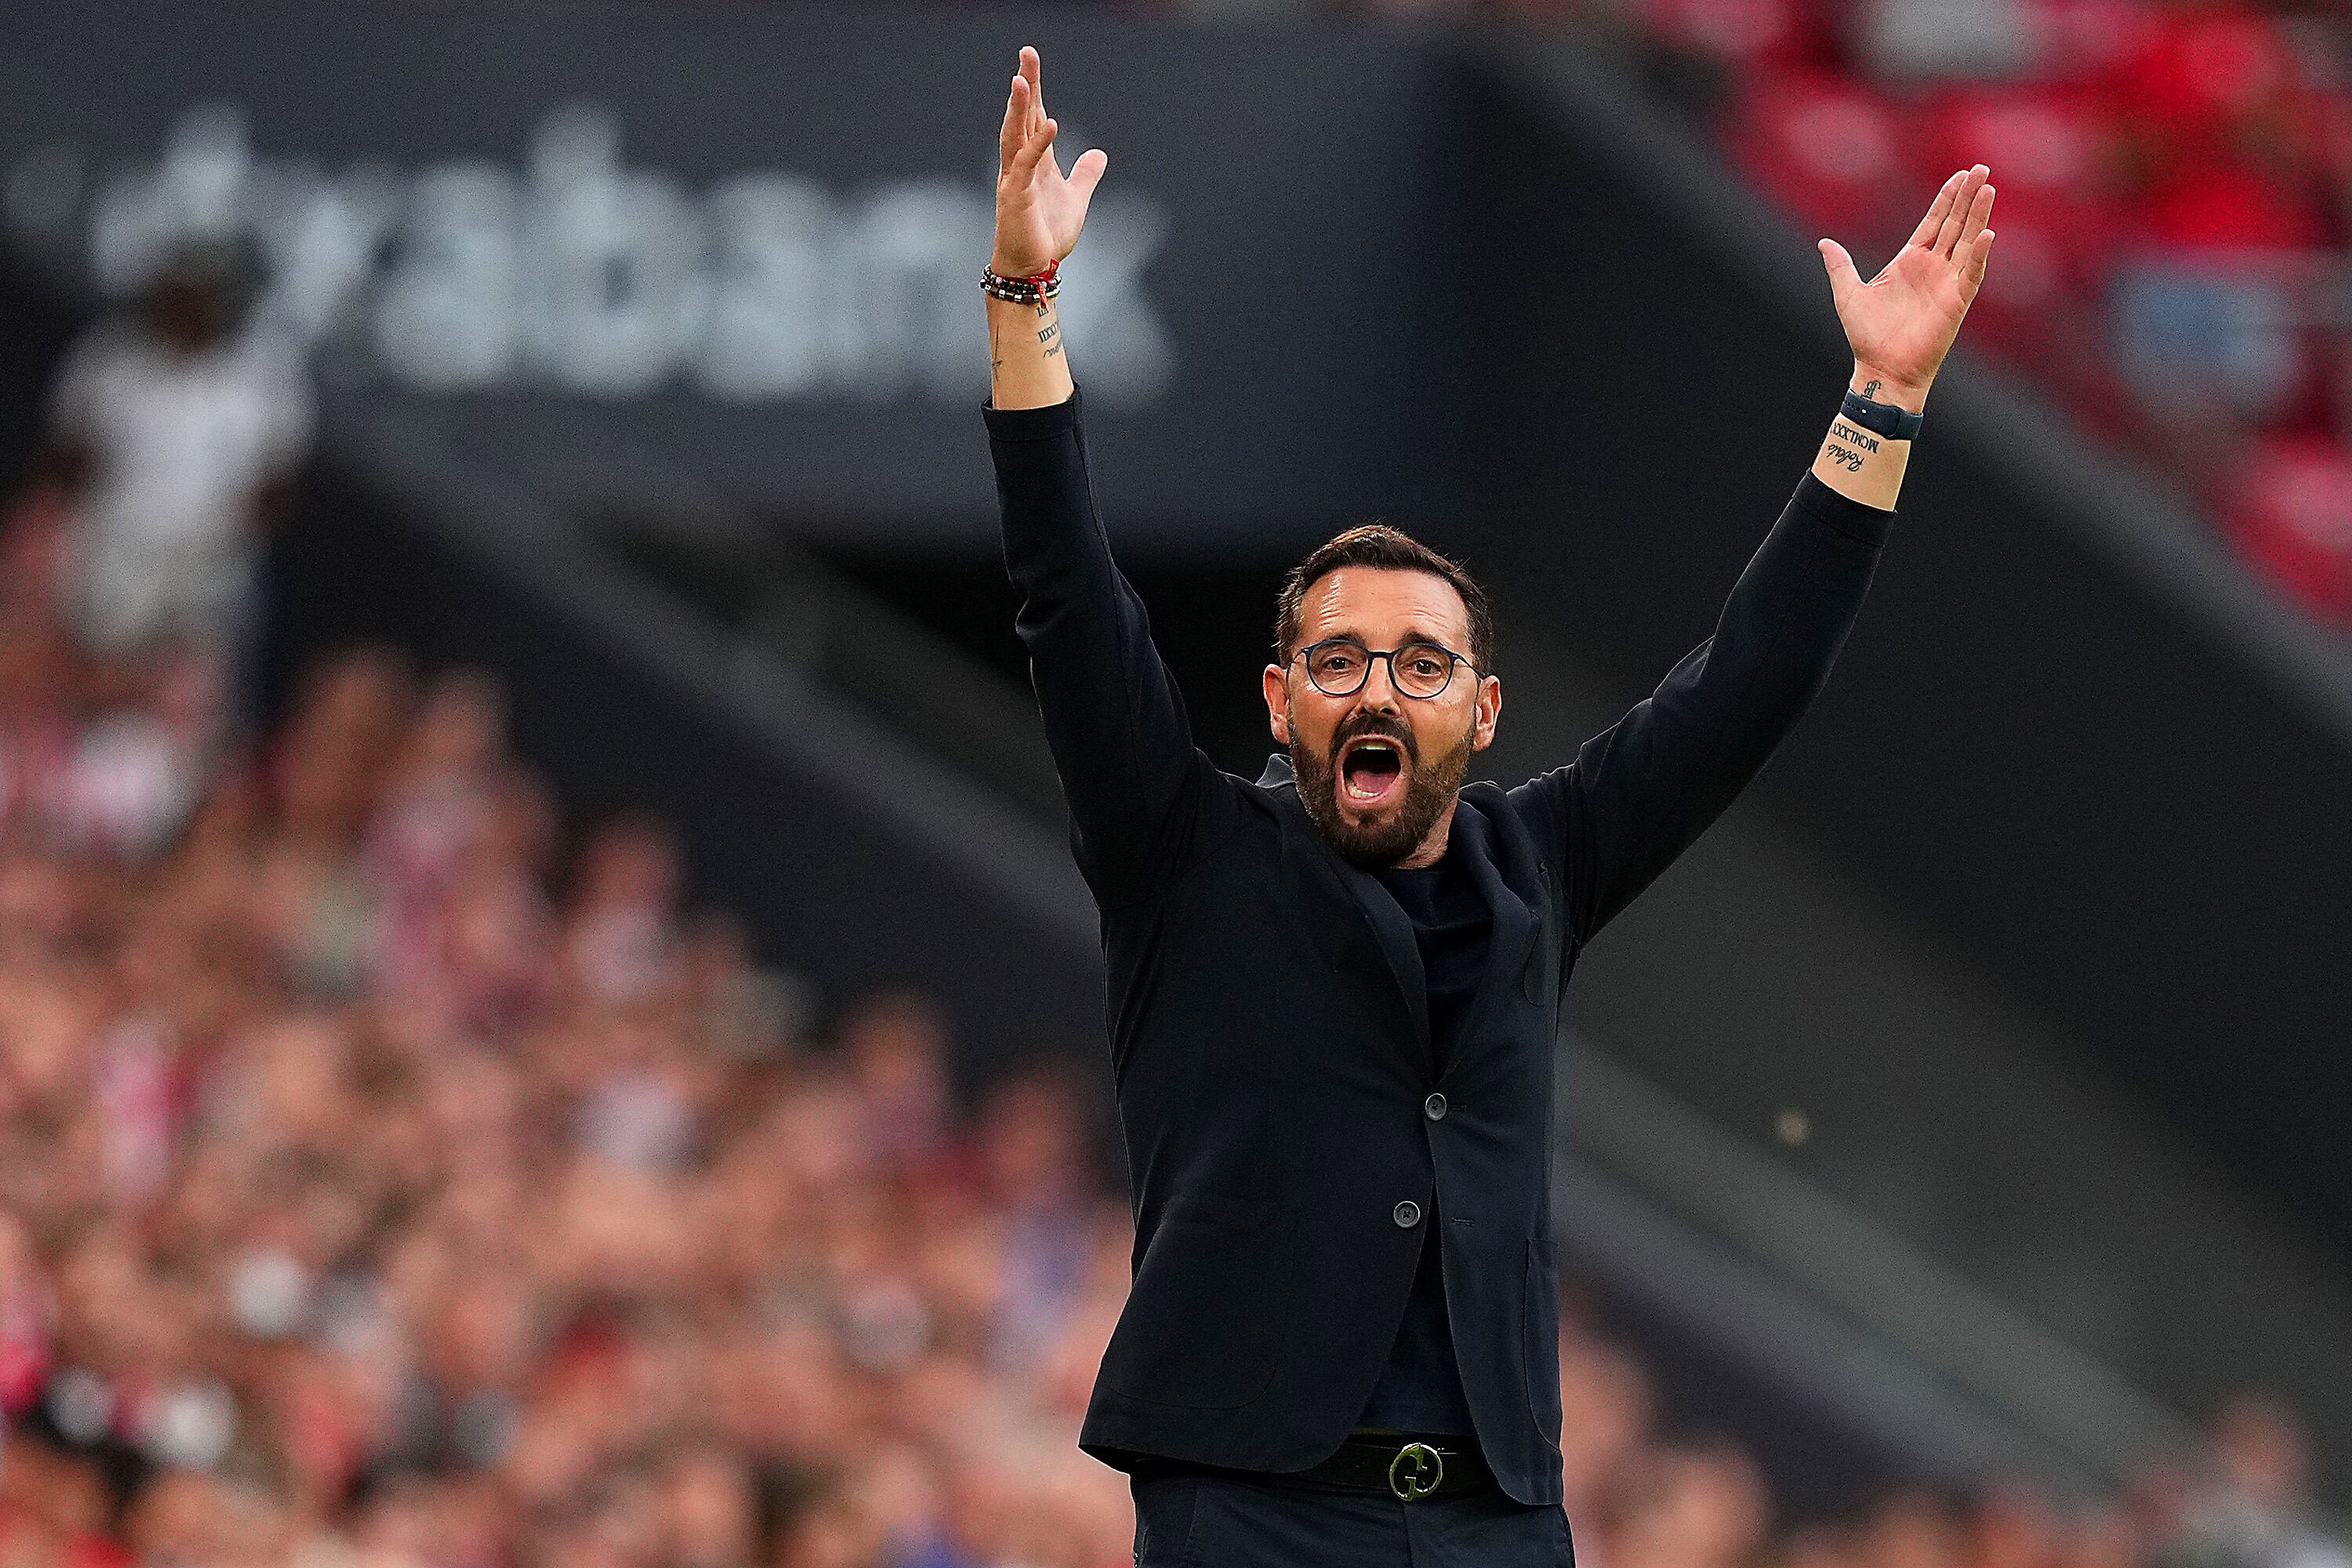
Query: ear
x=1490, y=712
x=1278, y=703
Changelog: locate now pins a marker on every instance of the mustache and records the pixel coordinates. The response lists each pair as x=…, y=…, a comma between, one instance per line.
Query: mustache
x=1375, y=725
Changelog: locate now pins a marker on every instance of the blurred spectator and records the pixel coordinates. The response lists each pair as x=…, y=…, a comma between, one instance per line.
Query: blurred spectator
x=2255, y=1512
x=1986, y=39
x=2213, y=298
x=178, y=426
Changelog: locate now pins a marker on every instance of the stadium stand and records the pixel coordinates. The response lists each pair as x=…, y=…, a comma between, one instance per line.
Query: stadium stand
x=398, y=1168
x=2175, y=187
x=398, y=1175
x=384, y=1188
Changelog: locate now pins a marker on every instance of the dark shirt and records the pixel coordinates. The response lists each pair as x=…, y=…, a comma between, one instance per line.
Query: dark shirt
x=1420, y=1389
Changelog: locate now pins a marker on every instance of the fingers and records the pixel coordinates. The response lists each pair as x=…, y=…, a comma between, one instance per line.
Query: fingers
x=1964, y=196
x=1979, y=213
x=1972, y=273
x=1025, y=163
x=1027, y=130
x=1016, y=116
x=1930, y=226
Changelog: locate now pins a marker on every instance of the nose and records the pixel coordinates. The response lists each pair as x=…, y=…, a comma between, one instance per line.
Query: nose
x=1379, y=691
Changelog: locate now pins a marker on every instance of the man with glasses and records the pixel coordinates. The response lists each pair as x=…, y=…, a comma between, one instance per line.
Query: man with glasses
x=1334, y=991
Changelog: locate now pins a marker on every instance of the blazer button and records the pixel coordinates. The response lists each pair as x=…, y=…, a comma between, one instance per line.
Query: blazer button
x=1407, y=1214
x=1433, y=1107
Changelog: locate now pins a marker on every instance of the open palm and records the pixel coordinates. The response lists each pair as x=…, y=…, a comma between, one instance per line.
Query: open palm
x=1902, y=322
x=1039, y=211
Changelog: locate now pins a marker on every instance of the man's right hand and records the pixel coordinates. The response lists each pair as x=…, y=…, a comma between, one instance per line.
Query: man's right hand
x=1039, y=211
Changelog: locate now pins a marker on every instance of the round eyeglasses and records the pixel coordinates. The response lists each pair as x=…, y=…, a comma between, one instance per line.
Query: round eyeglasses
x=1339, y=667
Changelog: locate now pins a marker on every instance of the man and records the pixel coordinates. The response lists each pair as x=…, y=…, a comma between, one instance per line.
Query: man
x=181, y=427
x=1334, y=992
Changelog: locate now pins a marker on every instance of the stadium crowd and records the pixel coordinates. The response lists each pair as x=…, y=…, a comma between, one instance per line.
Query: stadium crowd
x=392, y=1176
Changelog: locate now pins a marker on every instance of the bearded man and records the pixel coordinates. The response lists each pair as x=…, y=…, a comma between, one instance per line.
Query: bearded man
x=1334, y=991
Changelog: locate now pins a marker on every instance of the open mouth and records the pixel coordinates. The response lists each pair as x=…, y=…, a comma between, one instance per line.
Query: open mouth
x=1372, y=771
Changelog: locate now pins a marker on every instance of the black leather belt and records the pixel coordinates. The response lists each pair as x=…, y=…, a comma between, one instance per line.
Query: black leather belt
x=1404, y=1466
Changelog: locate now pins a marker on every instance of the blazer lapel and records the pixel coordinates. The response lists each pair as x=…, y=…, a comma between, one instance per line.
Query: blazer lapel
x=1394, y=929
x=1513, y=934
x=1391, y=930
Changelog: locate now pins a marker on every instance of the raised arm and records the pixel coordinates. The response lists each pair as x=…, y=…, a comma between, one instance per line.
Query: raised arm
x=1639, y=793
x=1038, y=216
x=1117, y=727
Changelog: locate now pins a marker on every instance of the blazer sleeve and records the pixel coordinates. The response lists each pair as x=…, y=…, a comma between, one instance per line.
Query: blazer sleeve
x=1117, y=726
x=1639, y=793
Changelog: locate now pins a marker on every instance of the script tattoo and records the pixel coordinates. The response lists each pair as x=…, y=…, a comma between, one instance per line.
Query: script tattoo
x=1845, y=432
x=1871, y=388
x=1850, y=460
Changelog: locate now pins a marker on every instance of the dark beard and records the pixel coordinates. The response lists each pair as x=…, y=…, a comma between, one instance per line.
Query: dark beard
x=1425, y=798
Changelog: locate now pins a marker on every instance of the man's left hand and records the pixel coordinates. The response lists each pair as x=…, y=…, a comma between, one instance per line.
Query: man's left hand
x=1902, y=322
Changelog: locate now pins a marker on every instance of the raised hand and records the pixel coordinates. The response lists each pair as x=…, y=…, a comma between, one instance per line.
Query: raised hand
x=1038, y=210
x=1902, y=322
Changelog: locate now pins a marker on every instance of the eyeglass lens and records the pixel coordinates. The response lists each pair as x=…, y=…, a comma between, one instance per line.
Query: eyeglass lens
x=1339, y=668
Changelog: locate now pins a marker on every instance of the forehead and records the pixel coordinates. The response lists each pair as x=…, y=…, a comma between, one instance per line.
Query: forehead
x=1383, y=602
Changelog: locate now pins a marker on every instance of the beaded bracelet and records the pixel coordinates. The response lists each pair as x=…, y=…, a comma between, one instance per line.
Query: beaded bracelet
x=1027, y=291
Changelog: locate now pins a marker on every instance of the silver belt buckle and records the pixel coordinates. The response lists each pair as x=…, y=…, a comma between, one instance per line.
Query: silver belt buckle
x=1427, y=1468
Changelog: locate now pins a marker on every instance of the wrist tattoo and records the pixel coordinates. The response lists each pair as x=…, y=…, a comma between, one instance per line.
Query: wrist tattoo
x=1845, y=432
x=1871, y=389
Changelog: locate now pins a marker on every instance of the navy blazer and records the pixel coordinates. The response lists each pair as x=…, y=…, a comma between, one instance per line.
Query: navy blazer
x=1286, y=1133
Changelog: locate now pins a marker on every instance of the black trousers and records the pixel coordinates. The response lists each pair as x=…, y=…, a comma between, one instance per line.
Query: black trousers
x=1197, y=1519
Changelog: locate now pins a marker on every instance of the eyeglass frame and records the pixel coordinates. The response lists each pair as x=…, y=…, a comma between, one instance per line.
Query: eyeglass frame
x=1371, y=653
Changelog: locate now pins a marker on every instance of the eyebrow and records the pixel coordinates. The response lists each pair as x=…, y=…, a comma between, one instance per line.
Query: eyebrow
x=1410, y=635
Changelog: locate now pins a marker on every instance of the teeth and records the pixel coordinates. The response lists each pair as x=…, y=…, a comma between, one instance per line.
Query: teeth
x=1357, y=747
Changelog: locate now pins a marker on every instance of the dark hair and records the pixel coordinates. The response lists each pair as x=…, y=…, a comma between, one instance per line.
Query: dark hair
x=1377, y=544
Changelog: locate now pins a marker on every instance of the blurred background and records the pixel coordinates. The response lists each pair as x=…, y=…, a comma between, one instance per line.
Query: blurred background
x=545, y=1015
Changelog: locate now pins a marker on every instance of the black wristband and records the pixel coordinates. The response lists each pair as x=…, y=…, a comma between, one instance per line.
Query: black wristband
x=1900, y=424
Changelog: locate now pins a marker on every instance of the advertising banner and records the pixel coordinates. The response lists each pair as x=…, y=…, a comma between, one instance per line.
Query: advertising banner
x=741, y=247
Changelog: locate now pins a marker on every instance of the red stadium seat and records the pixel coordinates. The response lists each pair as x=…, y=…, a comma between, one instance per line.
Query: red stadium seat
x=1829, y=150
x=2085, y=42
x=2323, y=116
x=2050, y=150
x=2198, y=68
x=1750, y=35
